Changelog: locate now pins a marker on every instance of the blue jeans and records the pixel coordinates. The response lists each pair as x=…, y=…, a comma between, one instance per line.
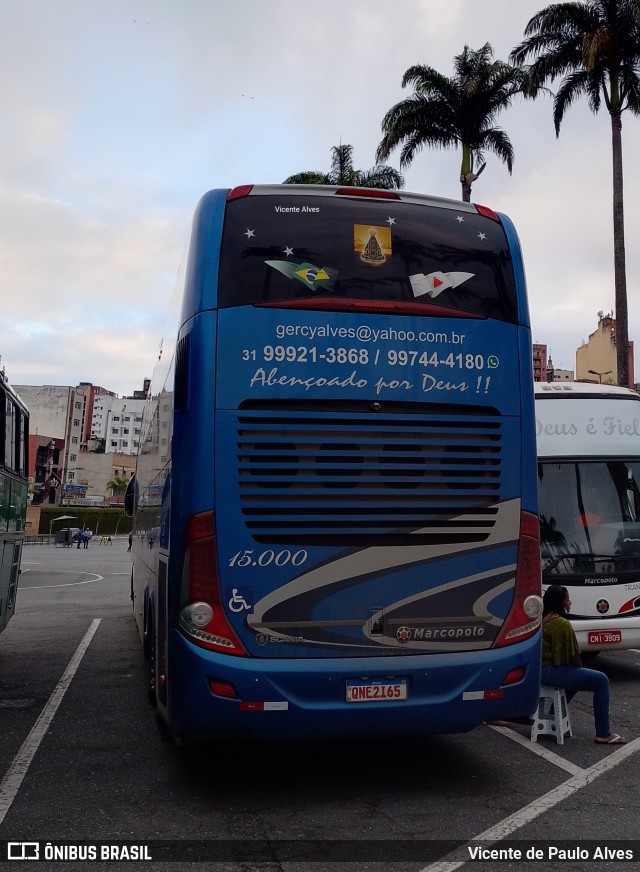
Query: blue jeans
x=575, y=678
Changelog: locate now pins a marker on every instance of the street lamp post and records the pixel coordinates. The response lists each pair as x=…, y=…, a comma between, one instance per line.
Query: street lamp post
x=600, y=374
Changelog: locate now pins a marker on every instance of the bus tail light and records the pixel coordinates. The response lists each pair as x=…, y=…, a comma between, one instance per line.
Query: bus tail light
x=239, y=191
x=380, y=193
x=487, y=212
x=514, y=676
x=524, y=617
x=202, y=615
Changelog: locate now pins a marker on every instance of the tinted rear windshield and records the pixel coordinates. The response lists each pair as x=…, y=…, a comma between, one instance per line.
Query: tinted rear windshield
x=277, y=248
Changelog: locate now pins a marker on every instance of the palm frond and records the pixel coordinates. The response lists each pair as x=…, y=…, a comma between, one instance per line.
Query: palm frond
x=573, y=87
x=343, y=172
x=308, y=177
x=498, y=142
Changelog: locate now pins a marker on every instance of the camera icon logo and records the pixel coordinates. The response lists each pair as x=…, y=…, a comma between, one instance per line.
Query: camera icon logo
x=23, y=850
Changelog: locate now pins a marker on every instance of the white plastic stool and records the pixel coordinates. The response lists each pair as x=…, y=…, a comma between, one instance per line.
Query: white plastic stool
x=557, y=724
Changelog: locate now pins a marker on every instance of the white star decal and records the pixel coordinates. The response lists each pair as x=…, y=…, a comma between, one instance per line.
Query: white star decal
x=249, y=233
x=459, y=219
x=288, y=250
x=482, y=236
x=391, y=221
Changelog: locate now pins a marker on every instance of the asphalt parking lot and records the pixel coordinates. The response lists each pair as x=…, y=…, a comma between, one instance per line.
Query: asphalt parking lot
x=81, y=761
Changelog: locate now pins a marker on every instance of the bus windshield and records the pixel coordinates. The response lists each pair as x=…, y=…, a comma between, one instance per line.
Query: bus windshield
x=589, y=517
x=284, y=247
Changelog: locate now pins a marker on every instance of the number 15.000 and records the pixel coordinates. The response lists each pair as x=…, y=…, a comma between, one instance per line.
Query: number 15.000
x=280, y=558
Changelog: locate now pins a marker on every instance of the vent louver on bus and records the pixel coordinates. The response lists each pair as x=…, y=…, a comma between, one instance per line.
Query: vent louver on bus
x=360, y=479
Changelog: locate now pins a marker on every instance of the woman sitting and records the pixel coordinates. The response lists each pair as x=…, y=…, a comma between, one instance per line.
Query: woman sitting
x=562, y=667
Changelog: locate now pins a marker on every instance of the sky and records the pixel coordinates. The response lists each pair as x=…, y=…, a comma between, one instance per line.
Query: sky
x=117, y=115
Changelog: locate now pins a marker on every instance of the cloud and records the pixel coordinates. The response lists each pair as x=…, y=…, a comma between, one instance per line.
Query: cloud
x=119, y=117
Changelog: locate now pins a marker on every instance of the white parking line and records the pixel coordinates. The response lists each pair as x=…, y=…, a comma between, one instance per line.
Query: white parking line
x=542, y=804
x=16, y=772
x=540, y=750
x=68, y=584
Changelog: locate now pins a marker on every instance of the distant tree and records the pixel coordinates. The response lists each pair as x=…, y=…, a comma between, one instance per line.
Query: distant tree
x=596, y=47
x=451, y=112
x=117, y=486
x=343, y=172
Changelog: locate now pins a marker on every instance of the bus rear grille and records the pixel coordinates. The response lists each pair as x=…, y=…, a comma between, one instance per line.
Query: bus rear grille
x=355, y=480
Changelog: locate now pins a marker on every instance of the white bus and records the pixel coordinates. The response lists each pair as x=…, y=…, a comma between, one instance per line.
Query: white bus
x=588, y=438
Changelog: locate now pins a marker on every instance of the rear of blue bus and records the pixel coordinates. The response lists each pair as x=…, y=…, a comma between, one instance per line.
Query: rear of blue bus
x=354, y=535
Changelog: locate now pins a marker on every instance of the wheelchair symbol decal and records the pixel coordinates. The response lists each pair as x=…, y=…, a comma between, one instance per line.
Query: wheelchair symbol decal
x=237, y=603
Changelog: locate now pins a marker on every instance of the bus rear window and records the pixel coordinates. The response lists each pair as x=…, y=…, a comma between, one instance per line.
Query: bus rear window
x=283, y=247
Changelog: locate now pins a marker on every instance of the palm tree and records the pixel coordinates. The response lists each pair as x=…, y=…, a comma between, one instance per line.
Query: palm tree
x=117, y=486
x=450, y=112
x=342, y=172
x=596, y=47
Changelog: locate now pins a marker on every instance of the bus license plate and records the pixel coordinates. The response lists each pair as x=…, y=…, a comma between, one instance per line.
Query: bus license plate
x=376, y=691
x=604, y=637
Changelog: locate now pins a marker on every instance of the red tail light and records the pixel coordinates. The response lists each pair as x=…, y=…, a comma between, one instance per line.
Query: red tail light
x=240, y=191
x=487, y=212
x=524, y=617
x=380, y=193
x=202, y=615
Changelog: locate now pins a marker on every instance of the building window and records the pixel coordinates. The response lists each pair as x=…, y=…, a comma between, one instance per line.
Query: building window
x=76, y=422
x=74, y=439
x=72, y=457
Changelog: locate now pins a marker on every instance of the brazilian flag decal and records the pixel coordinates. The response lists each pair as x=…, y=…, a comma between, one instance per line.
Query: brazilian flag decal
x=313, y=277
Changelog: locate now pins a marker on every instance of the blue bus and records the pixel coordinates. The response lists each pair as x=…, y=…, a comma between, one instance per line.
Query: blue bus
x=14, y=467
x=335, y=507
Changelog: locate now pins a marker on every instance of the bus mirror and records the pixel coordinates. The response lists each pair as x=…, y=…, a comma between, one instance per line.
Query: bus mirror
x=129, y=497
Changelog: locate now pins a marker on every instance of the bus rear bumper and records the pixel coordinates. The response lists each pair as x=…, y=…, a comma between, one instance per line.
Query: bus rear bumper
x=295, y=699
